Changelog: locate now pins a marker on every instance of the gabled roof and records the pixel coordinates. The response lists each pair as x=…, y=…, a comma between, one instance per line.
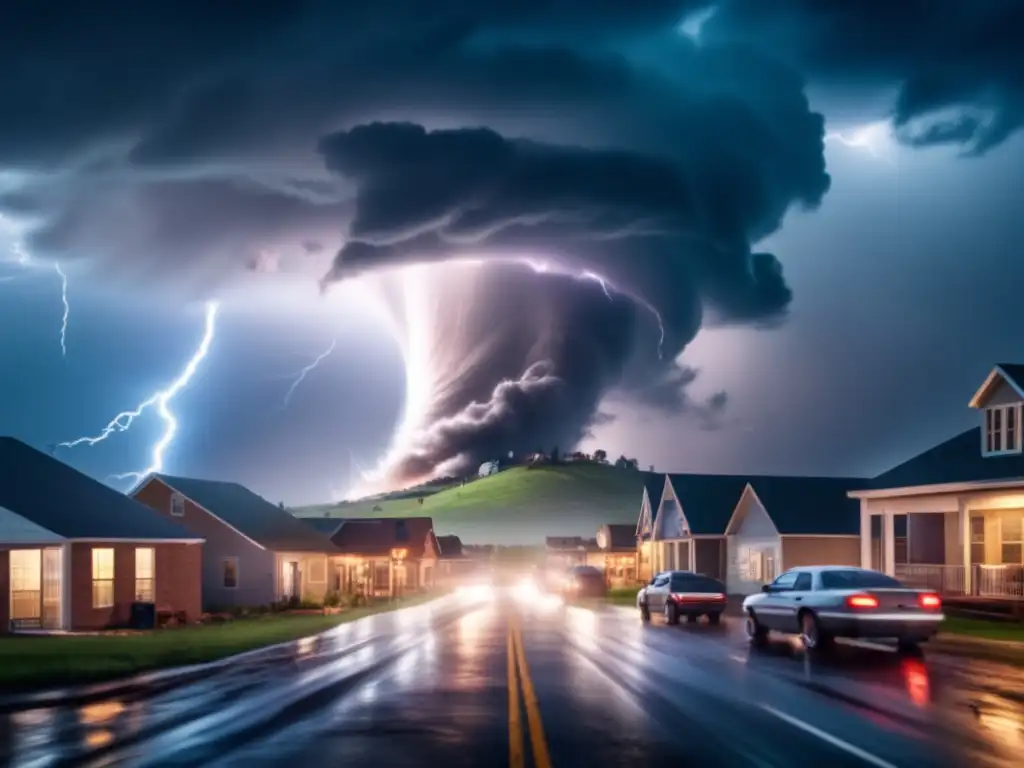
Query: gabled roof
x=379, y=535
x=957, y=460
x=251, y=515
x=72, y=505
x=654, y=484
x=449, y=546
x=327, y=526
x=810, y=506
x=620, y=536
x=708, y=501
x=1011, y=373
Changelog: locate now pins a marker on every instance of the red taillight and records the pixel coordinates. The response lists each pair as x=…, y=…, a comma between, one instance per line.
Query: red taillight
x=698, y=597
x=929, y=602
x=862, y=601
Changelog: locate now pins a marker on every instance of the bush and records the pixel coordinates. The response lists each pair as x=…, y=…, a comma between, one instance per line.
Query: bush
x=332, y=599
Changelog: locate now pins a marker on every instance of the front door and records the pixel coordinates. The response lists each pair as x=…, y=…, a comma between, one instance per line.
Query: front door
x=52, y=564
x=290, y=581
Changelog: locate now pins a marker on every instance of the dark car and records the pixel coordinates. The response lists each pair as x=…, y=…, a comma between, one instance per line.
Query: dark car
x=584, y=581
x=683, y=593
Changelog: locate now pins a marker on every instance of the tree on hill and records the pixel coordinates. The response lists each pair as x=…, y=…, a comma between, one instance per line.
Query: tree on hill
x=601, y=456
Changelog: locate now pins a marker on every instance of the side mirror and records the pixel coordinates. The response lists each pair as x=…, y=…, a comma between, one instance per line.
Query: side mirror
x=766, y=588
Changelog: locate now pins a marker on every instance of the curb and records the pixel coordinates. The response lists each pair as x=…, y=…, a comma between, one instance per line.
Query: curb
x=157, y=681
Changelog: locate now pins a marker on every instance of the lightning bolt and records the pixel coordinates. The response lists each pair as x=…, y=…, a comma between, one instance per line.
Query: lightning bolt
x=67, y=309
x=603, y=282
x=161, y=400
x=872, y=139
x=305, y=371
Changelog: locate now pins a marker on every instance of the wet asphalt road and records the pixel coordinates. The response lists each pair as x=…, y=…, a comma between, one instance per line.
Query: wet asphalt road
x=430, y=686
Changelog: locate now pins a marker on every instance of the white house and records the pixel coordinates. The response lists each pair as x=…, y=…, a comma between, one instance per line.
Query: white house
x=952, y=518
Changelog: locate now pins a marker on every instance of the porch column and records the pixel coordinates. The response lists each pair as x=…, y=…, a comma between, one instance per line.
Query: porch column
x=889, y=542
x=964, y=518
x=865, y=534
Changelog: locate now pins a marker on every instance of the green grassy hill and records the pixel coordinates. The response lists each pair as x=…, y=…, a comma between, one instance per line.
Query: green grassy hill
x=517, y=506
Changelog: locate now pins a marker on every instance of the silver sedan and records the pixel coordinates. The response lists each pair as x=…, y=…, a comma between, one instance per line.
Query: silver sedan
x=822, y=603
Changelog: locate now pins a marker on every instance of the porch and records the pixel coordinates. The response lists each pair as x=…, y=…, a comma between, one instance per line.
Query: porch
x=967, y=544
x=381, y=575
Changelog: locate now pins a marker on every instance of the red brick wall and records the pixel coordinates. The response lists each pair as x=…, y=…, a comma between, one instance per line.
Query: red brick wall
x=5, y=592
x=178, y=582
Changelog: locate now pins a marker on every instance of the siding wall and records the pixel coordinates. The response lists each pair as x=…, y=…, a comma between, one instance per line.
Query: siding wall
x=257, y=574
x=754, y=533
x=177, y=582
x=801, y=551
x=1004, y=394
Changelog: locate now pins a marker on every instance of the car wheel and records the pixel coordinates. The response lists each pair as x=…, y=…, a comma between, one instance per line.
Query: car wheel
x=645, y=613
x=671, y=613
x=714, y=619
x=756, y=634
x=814, y=639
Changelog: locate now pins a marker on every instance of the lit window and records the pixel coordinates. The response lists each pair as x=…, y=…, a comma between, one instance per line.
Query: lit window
x=1012, y=538
x=177, y=505
x=102, y=578
x=230, y=572
x=145, y=572
x=1002, y=429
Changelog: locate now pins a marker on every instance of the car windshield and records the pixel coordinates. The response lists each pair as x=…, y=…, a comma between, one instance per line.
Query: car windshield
x=682, y=582
x=856, y=580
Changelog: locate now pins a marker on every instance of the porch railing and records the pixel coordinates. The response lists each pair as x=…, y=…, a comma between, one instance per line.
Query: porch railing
x=999, y=581
x=944, y=579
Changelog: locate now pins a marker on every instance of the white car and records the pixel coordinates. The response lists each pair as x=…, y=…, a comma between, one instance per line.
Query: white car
x=822, y=603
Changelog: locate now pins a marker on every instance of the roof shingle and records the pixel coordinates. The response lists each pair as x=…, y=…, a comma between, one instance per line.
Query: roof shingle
x=60, y=499
x=957, y=460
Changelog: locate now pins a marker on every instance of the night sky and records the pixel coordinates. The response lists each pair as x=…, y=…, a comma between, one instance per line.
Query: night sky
x=718, y=236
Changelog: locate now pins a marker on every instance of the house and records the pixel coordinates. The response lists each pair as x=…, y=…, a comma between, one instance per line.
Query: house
x=618, y=545
x=256, y=553
x=654, y=484
x=788, y=522
x=746, y=529
x=76, y=554
x=384, y=556
x=564, y=552
x=952, y=518
x=488, y=468
x=453, y=564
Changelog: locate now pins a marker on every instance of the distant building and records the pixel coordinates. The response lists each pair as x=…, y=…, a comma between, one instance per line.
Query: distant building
x=488, y=468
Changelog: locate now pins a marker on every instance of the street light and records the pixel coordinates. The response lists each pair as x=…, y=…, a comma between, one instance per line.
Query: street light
x=397, y=558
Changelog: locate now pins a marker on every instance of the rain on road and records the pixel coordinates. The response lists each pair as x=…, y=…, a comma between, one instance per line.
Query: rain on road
x=531, y=682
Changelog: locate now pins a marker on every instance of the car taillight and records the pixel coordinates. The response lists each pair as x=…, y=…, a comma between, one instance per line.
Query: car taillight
x=862, y=601
x=698, y=597
x=929, y=601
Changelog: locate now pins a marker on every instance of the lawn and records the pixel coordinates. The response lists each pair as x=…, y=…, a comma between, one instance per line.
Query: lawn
x=626, y=596
x=40, y=662
x=987, y=630
x=517, y=506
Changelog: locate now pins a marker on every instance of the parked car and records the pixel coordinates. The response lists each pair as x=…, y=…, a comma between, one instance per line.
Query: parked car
x=825, y=602
x=682, y=593
x=584, y=581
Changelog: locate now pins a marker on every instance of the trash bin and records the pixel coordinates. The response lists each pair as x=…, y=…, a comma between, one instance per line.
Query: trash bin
x=143, y=616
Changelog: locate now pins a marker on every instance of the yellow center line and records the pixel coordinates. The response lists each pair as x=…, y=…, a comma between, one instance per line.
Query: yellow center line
x=541, y=758
x=515, y=725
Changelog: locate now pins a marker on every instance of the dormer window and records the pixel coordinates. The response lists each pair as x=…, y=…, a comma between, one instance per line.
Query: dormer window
x=1002, y=430
x=177, y=505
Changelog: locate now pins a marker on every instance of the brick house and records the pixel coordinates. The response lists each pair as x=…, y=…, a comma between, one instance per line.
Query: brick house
x=75, y=554
x=256, y=553
x=381, y=556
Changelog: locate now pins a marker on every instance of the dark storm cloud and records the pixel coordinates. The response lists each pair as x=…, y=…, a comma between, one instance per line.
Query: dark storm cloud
x=667, y=233
x=184, y=133
x=959, y=62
